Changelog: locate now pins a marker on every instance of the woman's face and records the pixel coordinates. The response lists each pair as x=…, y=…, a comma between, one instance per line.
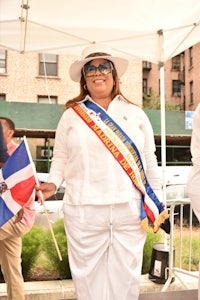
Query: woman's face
x=99, y=83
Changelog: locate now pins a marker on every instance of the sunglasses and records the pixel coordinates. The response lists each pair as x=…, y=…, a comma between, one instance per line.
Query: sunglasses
x=90, y=70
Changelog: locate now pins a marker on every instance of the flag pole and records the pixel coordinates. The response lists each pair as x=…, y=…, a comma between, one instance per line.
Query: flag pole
x=42, y=198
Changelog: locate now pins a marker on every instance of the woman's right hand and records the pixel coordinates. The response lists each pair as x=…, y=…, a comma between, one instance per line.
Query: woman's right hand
x=45, y=190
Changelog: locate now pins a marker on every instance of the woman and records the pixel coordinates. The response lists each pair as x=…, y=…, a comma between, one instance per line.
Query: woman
x=94, y=155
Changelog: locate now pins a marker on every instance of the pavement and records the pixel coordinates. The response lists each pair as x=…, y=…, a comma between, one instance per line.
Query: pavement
x=64, y=289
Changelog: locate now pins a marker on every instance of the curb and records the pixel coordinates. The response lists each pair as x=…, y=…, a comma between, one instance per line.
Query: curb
x=64, y=289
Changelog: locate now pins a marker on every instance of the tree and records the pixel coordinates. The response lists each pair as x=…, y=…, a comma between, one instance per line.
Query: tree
x=152, y=101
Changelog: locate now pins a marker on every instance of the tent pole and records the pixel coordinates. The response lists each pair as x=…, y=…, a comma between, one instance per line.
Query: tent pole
x=162, y=111
x=163, y=121
x=24, y=20
x=163, y=138
x=163, y=129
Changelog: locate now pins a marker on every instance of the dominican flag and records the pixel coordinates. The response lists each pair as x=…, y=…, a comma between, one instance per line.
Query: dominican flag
x=17, y=182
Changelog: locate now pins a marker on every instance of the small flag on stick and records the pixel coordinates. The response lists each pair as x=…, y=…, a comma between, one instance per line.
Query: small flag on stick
x=17, y=182
x=18, y=179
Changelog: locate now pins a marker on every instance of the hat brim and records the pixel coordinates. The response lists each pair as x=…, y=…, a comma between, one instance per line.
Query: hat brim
x=120, y=64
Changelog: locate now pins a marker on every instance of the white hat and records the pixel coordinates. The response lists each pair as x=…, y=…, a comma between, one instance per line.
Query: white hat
x=120, y=63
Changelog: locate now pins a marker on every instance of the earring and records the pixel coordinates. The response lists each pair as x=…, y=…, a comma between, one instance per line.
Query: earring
x=85, y=87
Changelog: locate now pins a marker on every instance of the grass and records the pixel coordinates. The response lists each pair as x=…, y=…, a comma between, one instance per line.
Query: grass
x=42, y=270
x=43, y=261
x=187, y=252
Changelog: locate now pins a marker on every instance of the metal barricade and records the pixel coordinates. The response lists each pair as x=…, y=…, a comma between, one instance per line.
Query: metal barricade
x=171, y=270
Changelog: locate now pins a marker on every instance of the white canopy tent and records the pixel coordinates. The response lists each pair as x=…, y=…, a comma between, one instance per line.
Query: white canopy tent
x=153, y=30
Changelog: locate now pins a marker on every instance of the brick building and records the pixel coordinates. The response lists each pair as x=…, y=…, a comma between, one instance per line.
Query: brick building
x=22, y=78
x=182, y=80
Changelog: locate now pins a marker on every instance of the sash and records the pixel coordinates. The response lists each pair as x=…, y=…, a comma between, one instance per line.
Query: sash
x=127, y=155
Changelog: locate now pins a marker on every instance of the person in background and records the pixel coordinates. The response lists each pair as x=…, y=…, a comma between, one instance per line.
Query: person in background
x=8, y=131
x=103, y=208
x=193, y=183
x=11, y=232
x=3, y=148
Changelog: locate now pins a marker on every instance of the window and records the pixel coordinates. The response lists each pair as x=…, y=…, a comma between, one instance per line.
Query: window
x=191, y=93
x=2, y=97
x=43, y=158
x=48, y=65
x=46, y=99
x=176, y=88
x=190, y=57
x=3, y=61
x=175, y=155
x=146, y=65
x=144, y=86
x=176, y=63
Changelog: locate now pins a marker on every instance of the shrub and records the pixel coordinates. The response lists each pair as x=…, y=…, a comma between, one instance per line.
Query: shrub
x=31, y=243
x=151, y=239
x=51, y=253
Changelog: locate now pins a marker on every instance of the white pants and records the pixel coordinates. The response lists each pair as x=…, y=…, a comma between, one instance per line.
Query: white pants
x=105, y=248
